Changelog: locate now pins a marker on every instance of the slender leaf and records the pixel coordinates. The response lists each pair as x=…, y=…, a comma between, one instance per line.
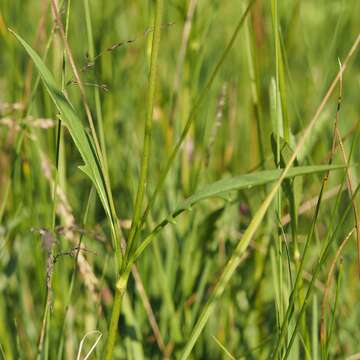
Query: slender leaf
x=72, y=121
x=221, y=187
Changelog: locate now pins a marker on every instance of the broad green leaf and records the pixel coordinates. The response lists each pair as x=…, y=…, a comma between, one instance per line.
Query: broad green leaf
x=72, y=121
x=221, y=187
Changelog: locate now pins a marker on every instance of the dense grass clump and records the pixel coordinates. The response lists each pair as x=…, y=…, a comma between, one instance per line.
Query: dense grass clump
x=179, y=179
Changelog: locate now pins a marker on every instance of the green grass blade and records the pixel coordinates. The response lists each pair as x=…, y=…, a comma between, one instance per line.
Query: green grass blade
x=280, y=74
x=193, y=113
x=234, y=260
x=98, y=108
x=315, y=329
x=142, y=186
x=68, y=115
x=258, y=217
x=240, y=182
x=223, y=348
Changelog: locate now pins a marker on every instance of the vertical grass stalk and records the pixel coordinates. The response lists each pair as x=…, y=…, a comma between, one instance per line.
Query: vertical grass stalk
x=148, y=128
x=193, y=113
x=126, y=266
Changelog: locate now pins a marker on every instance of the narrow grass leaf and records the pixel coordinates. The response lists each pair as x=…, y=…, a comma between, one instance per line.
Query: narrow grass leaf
x=68, y=115
x=224, y=349
x=221, y=187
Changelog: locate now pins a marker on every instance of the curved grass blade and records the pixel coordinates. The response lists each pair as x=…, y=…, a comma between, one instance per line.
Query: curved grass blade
x=71, y=120
x=218, y=188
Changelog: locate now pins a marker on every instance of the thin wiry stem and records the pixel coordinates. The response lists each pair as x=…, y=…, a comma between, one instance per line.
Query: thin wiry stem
x=115, y=229
x=328, y=286
x=348, y=174
x=46, y=312
x=148, y=129
x=96, y=88
x=243, y=244
x=351, y=193
x=135, y=272
x=311, y=203
x=298, y=147
x=76, y=74
x=316, y=272
x=148, y=309
x=73, y=276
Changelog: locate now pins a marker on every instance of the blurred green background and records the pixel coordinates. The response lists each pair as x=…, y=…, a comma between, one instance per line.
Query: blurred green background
x=231, y=136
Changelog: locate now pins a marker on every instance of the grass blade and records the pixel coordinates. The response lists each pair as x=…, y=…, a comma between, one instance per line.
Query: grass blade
x=241, y=182
x=68, y=115
x=99, y=335
x=257, y=219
